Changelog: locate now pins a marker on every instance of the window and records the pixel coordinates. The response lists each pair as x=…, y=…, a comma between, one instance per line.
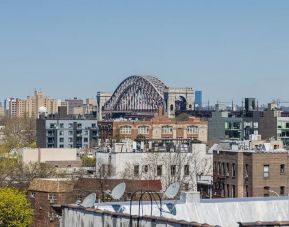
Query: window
x=223, y=169
x=159, y=170
x=247, y=191
x=187, y=170
x=145, y=168
x=61, y=125
x=79, y=125
x=233, y=191
x=143, y=130
x=93, y=125
x=266, y=170
x=85, y=140
x=70, y=133
x=228, y=190
x=85, y=132
x=61, y=133
x=70, y=140
x=186, y=186
x=282, y=190
x=228, y=170
x=172, y=107
x=167, y=130
x=282, y=169
x=266, y=191
x=256, y=125
x=70, y=125
x=173, y=170
x=61, y=140
x=125, y=130
x=136, y=170
x=52, y=196
x=32, y=195
x=193, y=129
x=61, y=146
x=246, y=171
x=52, y=125
x=233, y=170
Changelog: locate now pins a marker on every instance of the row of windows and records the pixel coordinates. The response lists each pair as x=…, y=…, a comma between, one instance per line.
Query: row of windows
x=165, y=129
x=61, y=140
x=70, y=125
x=266, y=170
x=173, y=170
x=268, y=191
x=70, y=133
x=222, y=168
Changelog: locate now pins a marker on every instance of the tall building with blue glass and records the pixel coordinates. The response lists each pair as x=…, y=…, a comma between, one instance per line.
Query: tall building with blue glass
x=198, y=98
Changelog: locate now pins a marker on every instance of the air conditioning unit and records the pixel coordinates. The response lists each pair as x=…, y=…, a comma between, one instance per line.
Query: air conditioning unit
x=52, y=201
x=51, y=216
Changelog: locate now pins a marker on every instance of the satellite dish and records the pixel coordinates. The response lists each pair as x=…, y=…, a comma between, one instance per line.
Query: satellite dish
x=89, y=200
x=117, y=192
x=172, y=190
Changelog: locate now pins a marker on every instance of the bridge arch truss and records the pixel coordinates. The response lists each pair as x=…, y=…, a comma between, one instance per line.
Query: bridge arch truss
x=137, y=93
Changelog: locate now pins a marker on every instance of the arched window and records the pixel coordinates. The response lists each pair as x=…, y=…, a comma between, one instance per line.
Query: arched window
x=125, y=129
x=142, y=130
x=172, y=107
x=193, y=129
x=167, y=129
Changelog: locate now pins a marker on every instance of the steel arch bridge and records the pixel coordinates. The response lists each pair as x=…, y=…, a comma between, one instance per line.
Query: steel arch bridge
x=137, y=94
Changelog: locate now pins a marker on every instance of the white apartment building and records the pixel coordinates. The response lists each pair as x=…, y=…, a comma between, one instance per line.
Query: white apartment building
x=168, y=160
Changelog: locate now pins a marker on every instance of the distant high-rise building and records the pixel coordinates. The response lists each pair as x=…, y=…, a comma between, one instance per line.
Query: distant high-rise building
x=198, y=98
x=250, y=104
x=74, y=105
x=29, y=107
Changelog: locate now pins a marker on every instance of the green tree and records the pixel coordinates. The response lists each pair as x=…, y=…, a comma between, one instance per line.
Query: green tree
x=15, y=209
x=88, y=161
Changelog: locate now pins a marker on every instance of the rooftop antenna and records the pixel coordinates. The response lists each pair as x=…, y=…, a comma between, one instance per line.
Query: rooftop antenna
x=117, y=192
x=89, y=201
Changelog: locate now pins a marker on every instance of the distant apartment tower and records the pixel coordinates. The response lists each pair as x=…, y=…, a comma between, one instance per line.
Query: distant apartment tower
x=223, y=126
x=56, y=131
x=234, y=125
x=74, y=106
x=101, y=99
x=275, y=124
x=198, y=98
x=254, y=169
x=29, y=107
x=250, y=104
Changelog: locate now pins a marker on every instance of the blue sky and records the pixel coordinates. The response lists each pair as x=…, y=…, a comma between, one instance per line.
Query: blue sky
x=228, y=49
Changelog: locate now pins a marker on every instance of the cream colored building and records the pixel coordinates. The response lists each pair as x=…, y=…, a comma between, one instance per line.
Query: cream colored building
x=29, y=107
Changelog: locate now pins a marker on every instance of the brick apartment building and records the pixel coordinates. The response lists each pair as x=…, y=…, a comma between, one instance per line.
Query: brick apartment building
x=43, y=193
x=250, y=172
x=159, y=127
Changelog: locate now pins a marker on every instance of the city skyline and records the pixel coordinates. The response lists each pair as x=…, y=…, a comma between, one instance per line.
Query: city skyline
x=228, y=50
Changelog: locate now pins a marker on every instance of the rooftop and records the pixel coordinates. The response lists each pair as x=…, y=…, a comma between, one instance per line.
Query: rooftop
x=221, y=212
x=57, y=185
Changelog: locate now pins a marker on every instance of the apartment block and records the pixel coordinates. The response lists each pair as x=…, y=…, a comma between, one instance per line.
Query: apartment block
x=29, y=107
x=161, y=127
x=275, y=124
x=43, y=194
x=234, y=125
x=57, y=131
x=250, y=169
